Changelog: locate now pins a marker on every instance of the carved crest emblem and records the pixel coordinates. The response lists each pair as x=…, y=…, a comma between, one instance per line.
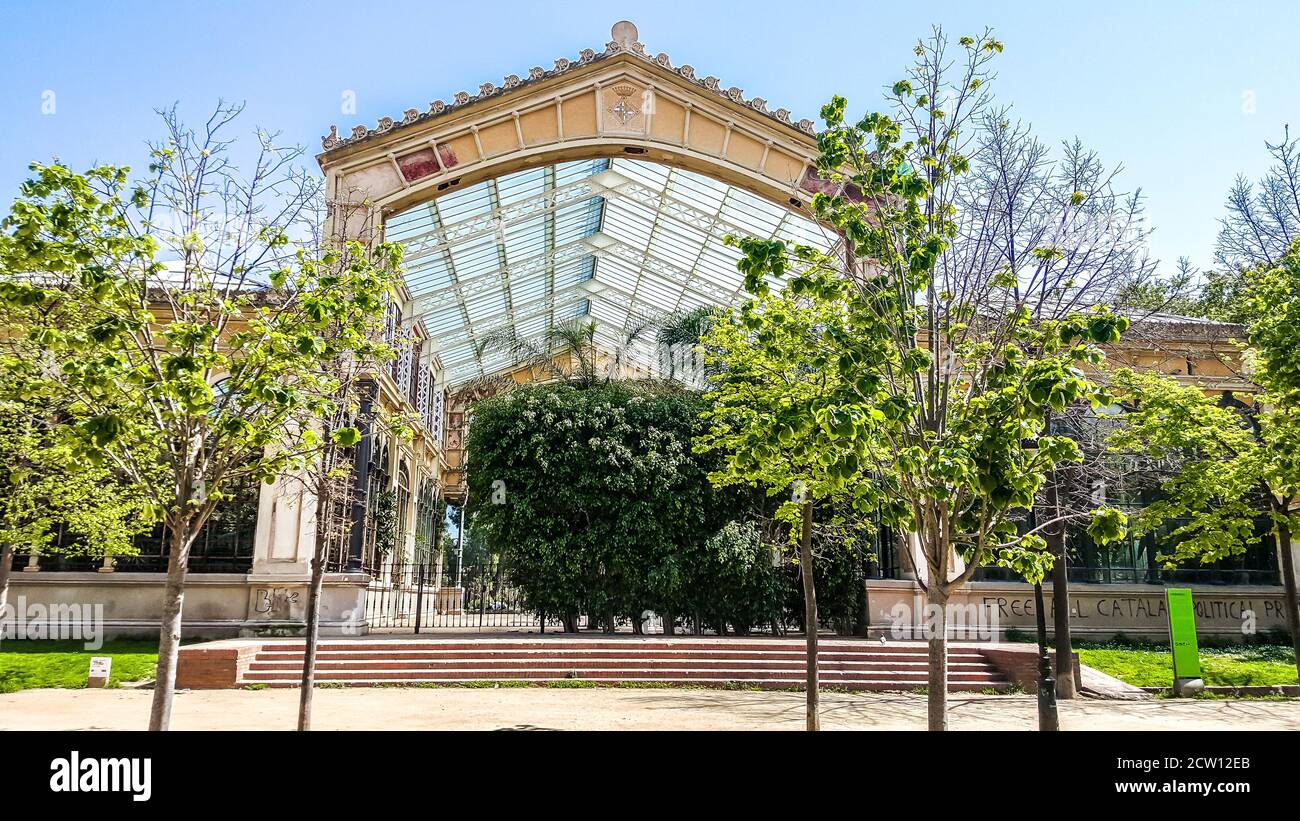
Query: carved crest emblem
x=624, y=108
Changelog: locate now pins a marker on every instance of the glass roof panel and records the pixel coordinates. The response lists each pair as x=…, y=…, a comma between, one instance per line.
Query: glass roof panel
x=616, y=240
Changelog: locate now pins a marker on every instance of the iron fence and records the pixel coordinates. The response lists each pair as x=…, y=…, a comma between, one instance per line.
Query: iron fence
x=427, y=594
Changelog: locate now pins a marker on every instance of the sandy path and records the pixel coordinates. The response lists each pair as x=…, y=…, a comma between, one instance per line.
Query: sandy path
x=610, y=709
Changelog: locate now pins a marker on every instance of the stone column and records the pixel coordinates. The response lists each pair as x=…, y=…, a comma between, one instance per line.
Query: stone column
x=1294, y=547
x=286, y=519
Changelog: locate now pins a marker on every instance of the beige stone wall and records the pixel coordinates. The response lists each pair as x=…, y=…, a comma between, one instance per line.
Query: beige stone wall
x=216, y=604
x=1096, y=610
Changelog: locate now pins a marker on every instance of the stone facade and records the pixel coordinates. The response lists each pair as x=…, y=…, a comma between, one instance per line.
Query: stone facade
x=216, y=604
x=1096, y=610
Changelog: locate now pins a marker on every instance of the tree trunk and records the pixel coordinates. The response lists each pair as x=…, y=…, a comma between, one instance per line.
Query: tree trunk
x=307, y=688
x=809, y=615
x=1055, y=537
x=670, y=627
x=1288, y=584
x=169, y=633
x=6, y=568
x=864, y=617
x=1048, y=720
x=937, y=685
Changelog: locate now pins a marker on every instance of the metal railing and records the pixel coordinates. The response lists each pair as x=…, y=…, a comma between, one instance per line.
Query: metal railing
x=420, y=595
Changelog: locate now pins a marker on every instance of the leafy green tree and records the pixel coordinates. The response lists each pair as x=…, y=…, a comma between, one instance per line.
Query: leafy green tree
x=202, y=366
x=1229, y=457
x=787, y=415
x=584, y=493
x=44, y=488
x=953, y=387
x=728, y=581
x=351, y=347
x=1047, y=230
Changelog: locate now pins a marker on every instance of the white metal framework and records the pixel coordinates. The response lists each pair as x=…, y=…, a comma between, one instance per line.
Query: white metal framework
x=614, y=240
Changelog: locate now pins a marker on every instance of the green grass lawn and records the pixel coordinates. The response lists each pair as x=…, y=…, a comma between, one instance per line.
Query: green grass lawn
x=28, y=664
x=1240, y=666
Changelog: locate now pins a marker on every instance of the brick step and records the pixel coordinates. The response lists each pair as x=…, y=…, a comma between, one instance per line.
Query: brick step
x=629, y=645
x=577, y=655
x=880, y=685
x=567, y=664
x=738, y=673
x=761, y=662
x=479, y=650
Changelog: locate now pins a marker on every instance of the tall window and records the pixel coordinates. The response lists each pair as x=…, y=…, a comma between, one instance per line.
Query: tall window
x=426, y=523
x=224, y=543
x=377, y=535
x=403, y=515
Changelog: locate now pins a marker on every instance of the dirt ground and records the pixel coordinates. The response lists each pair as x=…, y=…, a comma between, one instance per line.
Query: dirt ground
x=611, y=709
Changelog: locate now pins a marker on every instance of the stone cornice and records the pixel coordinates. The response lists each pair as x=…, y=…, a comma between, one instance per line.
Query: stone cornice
x=624, y=42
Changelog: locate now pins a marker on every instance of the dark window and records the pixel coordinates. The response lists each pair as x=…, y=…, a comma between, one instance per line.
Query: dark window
x=224, y=544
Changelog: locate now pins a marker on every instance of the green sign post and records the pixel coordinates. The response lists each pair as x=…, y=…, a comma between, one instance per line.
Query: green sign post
x=1182, y=636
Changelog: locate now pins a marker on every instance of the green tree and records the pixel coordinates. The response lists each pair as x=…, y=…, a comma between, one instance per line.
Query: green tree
x=787, y=415
x=203, y=363
x=585, y=493
x=351, y=348
x=954, y=386
x=1229, y=457
x=734, y=579
x=45, y=488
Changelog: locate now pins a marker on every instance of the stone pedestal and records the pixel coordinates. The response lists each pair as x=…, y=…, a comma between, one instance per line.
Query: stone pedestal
x=451, y=600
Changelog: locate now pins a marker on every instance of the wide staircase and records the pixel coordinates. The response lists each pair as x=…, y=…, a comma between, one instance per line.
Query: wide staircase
x=736, y=662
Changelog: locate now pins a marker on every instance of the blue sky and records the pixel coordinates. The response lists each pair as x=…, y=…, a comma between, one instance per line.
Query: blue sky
x=1156, y=86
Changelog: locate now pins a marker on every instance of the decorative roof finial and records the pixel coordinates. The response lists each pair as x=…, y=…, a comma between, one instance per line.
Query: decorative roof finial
x=624, y=33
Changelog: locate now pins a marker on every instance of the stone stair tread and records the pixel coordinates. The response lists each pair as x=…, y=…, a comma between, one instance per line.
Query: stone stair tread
x=845, y=663
x=793, y=683
x=325, y=664
x=598, y=671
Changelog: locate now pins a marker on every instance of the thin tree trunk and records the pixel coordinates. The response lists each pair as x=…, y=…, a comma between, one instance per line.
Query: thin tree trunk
x=1055, y=537
x=1048, y=719
x=1289, y=586
x=809, y=615
x=937, y=684
x=864, y=618
x=307, y=688
x=670, y=627
x=6, y=568
x=169, y=634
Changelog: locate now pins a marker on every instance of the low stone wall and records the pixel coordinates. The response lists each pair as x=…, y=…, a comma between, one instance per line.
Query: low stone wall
x=1096, y=610
x=1019, y=663
x=217, y=605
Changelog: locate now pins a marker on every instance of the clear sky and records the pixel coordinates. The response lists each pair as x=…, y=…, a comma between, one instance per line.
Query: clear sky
x=1183, y=94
